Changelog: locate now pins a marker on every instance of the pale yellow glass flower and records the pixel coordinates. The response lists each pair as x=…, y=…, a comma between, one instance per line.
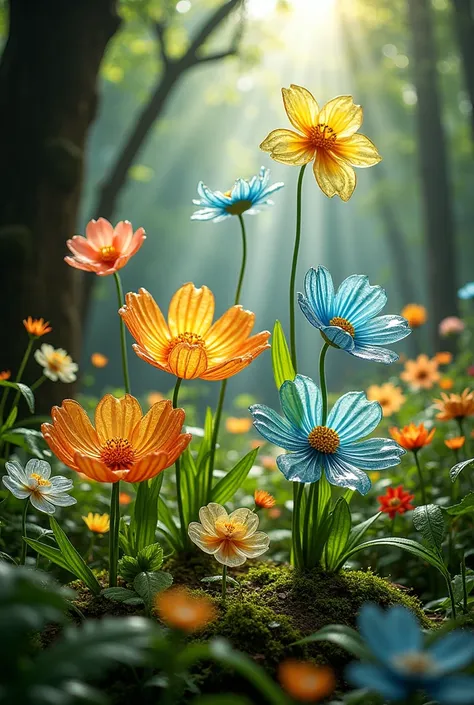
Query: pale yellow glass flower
x=230, y=538
x=327, y=136
x=98, y=523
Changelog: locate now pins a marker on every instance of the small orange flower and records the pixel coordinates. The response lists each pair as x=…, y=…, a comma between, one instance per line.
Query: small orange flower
x=6, y=374
x=179, y=609
x=388, y=396
x=37, y=326
x=268, y=462
x=455, y=406
x=421, y=373
x=188, y=345
x=446, y=383
x=124, y=445
x=455, y=443
x=415, y=314
x=443, y=358
x=236, y=425
x=412, y=437
x=264, y=499
x=99, y=360
x=124, y=499
x=98, y=523
x=154, y=398
x=274, y=513
x=305, y=681
x=105, y=249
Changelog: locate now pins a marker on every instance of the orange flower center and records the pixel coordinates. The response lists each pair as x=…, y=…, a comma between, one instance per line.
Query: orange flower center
x=117, y=454
x=395, y=502
x=108, y=253
x=324, y=439
x=229, y=529
x=55, y=362
x=42, y=481
x=415, y=662
x=344, y=324
x=189, y=338
x=322, y=136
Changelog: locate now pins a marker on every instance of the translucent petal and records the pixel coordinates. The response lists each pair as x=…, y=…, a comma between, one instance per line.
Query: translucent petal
x=335, y=177
x=344, y=474
x=453, y=651
x=353, y=416
x=375, y=678
x=210, y=514
x=188, y=361
x=255, y=545
x=319, y=290
x=343, y=115
x=246, y=517
x=453, y=690
x=38, y=467
x=116, y=418
x=374, y=354
x=42, y=504
x=18, y=490
x=358, y=150
x=288, y=147
x=302, y=466
x=357, y=301
x=339, y=337
x=389, y=633
x=301, y=402
x=382, y=330
x=373, y=454
x=191, y=310
x=276, y=429
x=301, y=107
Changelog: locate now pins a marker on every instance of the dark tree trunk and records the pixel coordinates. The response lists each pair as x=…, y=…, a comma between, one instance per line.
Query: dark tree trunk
x=433, y=165
x=48, y=97
x=464, y=23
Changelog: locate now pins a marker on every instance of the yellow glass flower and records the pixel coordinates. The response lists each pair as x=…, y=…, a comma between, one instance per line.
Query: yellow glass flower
x=189, y=345
x=328, y=137
x=98, y=523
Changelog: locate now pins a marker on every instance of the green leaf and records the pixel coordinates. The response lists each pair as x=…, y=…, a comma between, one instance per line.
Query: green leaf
x=75, y=563
x=281, y=359
x=459, y=467
x=429, y=521
x=10, y=420
x=360, y=530
x=225, y=489
x=345, y=637
x=188, y=484
x=120, y=594
x=340, y=530
x=26, y=438
x=128, y=568
x=144, y=519
x=218, y=579
x=165, y=517
x=147, y=585
x=24, y=391
x=150, y=558
x=413, y=547
x=52, y=554
x=466, y=506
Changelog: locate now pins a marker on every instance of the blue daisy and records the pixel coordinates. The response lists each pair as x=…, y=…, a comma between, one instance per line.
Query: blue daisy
x=403, y=665
x=466, y=291
x=244, y=197
x=348, y=318
x=335, y=447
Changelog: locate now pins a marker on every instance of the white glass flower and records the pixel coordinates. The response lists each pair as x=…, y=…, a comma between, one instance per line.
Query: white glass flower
x=34, y=482
x=56, y=363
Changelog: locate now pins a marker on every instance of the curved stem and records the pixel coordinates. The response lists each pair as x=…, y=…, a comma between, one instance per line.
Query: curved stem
x=38, y=383
x=322, y=381
x=420, y=476
x=23, y=533
x=224, y=582
x=114, y=533
x=294, y=265
x=177, y=465
x=244, y=260
x=123, y=338
x=298, y=489
x=17, y=379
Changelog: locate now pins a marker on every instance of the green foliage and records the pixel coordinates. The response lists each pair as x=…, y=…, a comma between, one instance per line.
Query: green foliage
x=429, y=521
x=24, y=390
x=466, y=506
x=281, y=359
x=144, y=519
x=226, y=488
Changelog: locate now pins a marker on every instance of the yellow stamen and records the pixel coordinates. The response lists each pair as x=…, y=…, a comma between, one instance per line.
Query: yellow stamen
x=117, y=454
x=189, y=338
x=322, y=136
x=42, y=481
x=344, y=324
x=324, y=439
x=108, y=253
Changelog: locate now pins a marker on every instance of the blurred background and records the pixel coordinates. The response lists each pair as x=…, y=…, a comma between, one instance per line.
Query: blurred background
x=118, y=109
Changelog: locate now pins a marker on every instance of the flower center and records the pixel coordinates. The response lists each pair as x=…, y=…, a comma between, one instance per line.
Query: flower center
x=395, y=502
x=322, y=136
x=108, y=253
x=117, y=454
x=324, y=439
x=415, y=663
x=344, y=324
x=230, y=528
x=42, y=481
x=56, y=361
x=189, y=338
x=239, y=207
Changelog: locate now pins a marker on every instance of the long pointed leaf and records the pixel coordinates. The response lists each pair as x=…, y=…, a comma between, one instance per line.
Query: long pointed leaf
x=52, y=554
x=281, y=359
x=75, y=562
x=228, y=486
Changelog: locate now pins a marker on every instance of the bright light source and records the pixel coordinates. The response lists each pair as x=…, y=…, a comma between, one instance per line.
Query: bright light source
x=183, y=6
x=258, y=9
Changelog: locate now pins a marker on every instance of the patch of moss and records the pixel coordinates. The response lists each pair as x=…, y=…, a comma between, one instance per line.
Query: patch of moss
x=189, y=568
x=96, y=606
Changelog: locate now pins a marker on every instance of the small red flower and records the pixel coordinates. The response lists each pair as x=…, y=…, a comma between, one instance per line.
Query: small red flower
x=395, y=501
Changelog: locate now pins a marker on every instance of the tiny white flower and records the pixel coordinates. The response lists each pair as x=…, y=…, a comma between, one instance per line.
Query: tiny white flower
x=56, y=363
x=34, y=483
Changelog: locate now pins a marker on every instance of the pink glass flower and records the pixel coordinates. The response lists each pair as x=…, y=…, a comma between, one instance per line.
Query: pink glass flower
x=452, y=325
x=105, y=249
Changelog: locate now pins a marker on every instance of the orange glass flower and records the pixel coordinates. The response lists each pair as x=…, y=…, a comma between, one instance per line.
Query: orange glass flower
x=444, y=358
x=124, y=499
x=327, y=137
x=4, y=375
x=388, y=396
x=99, y=360
x=412, y=437
x=98, y=523
x=264, y=499
x=415, y=314
x=124, y=445
x=455, y=406
x=238, y=425
x=188, y=345
x=421, y=373
x=105, y=249
x=37, y=326
x=179, y=609
x=446, y=383
x=305, y=681
x=455, y=443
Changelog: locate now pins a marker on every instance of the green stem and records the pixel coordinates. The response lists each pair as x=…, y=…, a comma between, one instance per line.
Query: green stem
x=114, y=533
x=322, y=381
x=294, y=265
x=23, y=533
x=244, y=260
x=18, y=377
x=464, y=585
x=38, y=383
x=298, y=489
x=224, y=582
x=177, y=465
x=451, y=594
x=420, y=476
x=393, y=525
x=123, y=338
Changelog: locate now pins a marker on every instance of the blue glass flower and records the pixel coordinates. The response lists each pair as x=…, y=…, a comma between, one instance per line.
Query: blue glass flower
x=348, y=318
x=403, y=664
x=335, y=447
x=244, y=197
x=466, y=291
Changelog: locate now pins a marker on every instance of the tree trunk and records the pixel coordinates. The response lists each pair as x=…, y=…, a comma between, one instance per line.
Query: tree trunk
x=464, y=23
x=48, y=97
x=433, y=165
